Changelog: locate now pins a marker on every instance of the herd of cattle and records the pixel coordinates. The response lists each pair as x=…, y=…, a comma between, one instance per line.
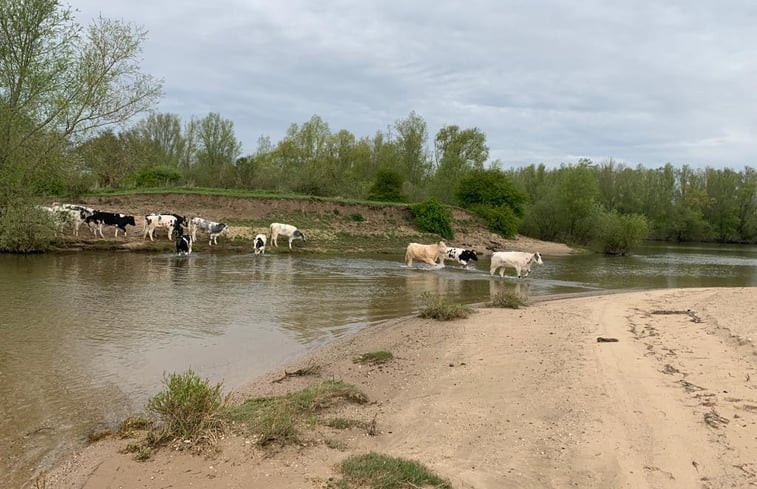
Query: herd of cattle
x=174, y=224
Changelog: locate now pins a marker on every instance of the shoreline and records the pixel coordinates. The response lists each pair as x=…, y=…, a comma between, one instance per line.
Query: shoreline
x=513, y=398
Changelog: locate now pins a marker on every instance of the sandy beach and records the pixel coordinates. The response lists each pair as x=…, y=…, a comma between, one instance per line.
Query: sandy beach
x=525, y=398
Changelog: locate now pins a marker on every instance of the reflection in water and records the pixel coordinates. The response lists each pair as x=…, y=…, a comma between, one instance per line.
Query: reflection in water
x=86, y=338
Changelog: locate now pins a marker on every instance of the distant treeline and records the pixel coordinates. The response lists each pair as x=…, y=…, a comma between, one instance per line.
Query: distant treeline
x=64, y=88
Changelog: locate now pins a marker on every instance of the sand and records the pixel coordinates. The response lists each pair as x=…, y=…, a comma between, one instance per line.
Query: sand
x=523, y=398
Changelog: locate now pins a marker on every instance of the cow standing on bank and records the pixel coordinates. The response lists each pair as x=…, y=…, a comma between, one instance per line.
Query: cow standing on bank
x=277, y=229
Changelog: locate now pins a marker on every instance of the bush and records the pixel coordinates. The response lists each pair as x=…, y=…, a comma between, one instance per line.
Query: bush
x=189, y=408
x=357, y=217
x=437, y=308
x=433, y=217
x=500, y=219
x=374, y=358
x=617, y=233
x=387, y=187
x=25, y=229
x=158, y=176
x=507, y=299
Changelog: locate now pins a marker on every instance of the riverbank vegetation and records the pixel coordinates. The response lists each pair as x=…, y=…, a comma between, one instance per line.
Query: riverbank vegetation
x=70, y=102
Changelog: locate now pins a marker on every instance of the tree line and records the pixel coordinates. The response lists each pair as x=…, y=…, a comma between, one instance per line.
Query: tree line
x=69, y=96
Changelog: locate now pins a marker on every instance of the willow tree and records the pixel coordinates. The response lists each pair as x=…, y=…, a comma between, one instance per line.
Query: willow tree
x=60, y=82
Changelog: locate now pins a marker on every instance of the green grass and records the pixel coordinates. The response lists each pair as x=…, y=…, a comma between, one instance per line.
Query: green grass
x=189, y=408
x=377, y=471
x=345, y=423
x=238, y=193
x=435, y=307
x=277, y=419
x=374, y=358
x=507, y=299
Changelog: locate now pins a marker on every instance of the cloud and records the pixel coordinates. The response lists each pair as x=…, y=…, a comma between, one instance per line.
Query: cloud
x=546, y=81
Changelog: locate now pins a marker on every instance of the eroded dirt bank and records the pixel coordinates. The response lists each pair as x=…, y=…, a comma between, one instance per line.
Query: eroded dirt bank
x=514, y=399
x=330, y=227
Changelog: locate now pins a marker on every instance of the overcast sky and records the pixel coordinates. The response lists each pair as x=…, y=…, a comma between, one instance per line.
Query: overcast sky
x=642, y=82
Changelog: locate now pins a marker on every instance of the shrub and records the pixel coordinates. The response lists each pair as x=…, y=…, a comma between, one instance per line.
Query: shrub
x=617, y=234
x=357, y=217
x=25, y=229
x=433, y=217
x=384, y=472
x=437, y=308
x=500, y=219
x=189, y=408
x=387, y=187
x=507, y=299
x=158, y=176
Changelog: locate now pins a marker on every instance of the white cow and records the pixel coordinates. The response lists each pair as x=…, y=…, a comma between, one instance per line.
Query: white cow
x=168, y=221
x=277, y=229
x=214, y=229
x=259, y=244
x=425, y=253
x=519, y=260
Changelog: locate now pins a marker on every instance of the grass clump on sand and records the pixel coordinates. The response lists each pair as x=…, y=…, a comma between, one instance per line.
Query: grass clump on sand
x=374, y=358
x=189, y=408
x=507, y=299
x=437, y=308
x=383, y=472
x=276, y=419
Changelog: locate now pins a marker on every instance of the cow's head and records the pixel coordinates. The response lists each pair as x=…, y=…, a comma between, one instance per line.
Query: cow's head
x=537, y=258
x=130, y=220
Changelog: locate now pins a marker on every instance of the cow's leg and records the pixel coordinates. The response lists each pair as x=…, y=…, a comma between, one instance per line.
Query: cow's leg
x=290, y=242
x=517, y=271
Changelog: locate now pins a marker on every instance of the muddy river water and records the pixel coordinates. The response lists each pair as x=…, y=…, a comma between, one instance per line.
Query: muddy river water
x=85, y=338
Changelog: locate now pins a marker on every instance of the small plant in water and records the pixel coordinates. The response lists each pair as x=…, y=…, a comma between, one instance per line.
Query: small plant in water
x=507, y=299
x=374, y=358
x=437, y=308
x=383, y=472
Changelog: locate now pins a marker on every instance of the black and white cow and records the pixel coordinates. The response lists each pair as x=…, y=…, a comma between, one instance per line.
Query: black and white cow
x=120, y=221
x=169, y=221
x=461, y=255
x=212, y=228
x=75, y=215
x=183, y=242
x=260, y=244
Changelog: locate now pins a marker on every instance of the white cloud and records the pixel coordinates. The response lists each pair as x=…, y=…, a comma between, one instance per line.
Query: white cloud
x=640, y=82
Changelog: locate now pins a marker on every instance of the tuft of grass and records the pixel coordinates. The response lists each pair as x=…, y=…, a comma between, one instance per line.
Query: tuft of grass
x=437, y=308
x=378, y=471
x=345, y=423
x=357, y=217
x=507, y=299
x=96, y=436
x=276, y=419
x=189, y=408
x=335, y=444
x=374, y=358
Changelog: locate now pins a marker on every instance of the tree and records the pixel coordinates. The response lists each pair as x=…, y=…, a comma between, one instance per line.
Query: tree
x=58, y=82
x=218, y=150
x=413, y=160
x=458, y=152
x=491, y=195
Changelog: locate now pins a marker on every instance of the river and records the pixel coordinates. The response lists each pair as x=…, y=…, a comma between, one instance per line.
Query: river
x=85, y=338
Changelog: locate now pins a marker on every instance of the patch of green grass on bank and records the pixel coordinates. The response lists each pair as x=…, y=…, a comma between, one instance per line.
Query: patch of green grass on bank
x=374, y=358
x=278, y=419
x=238, y=193
x=507, y=299
x=436, y=307
x=378, y=471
